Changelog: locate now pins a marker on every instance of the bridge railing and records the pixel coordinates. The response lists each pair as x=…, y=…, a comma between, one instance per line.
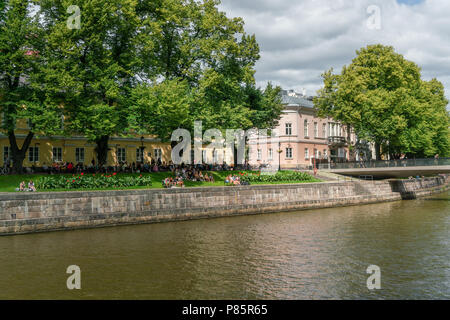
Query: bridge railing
x=387, y=164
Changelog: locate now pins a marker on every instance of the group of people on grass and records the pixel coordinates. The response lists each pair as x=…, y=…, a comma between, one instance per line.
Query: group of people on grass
x=232, y=180
x=186, y=173
x=170, y=182
x=191, y=173
x=23, y=187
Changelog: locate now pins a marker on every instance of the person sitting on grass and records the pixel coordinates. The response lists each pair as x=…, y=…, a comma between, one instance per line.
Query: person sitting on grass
x=180, y=182
x=21, y=186
x=31, y=186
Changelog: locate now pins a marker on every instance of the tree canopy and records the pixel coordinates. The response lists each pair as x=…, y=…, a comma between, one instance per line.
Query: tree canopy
x=22, y=66
x=383, y=97
x=131, y=66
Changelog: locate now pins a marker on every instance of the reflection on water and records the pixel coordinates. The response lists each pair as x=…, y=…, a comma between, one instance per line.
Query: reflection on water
x=316, y=254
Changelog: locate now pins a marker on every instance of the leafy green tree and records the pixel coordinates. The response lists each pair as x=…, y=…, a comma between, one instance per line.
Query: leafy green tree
x=131, y=67
x=21, y=66
x=211, y=57
x=93, y=68
x=160, y=108
x=382, y=96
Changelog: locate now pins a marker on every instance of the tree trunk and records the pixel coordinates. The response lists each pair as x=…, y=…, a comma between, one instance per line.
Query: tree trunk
x=102, y=150
x=378, y=150
x=18, y=155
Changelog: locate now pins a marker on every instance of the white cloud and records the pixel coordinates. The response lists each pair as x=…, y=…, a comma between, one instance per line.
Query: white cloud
x=299, y=39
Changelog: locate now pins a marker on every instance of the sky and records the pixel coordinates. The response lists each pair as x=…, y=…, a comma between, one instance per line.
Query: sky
x=300, y=39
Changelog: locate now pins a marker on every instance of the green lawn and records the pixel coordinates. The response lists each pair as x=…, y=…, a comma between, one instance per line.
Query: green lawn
x=9, y=183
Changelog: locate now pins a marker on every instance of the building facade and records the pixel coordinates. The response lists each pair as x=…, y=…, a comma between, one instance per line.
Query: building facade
x=45, y=150
x=301, y=139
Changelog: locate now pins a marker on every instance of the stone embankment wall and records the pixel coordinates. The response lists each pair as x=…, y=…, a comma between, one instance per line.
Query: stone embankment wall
x=37, y=212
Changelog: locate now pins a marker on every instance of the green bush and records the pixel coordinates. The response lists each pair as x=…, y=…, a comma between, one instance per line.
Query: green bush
x=280, y=176
x=92, y=181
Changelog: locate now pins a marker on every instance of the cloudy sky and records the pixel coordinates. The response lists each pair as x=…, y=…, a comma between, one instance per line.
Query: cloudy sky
x=299, y=39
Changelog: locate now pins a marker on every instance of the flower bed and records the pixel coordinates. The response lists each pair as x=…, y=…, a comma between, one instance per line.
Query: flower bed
x=92, y=181
x=280, y=176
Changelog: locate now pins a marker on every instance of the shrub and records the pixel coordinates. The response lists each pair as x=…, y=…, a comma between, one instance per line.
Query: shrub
x=92, y=181
x=280, y=176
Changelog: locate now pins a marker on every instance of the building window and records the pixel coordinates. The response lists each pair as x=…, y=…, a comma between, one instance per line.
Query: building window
x=324, y=130
x=79, y=155
x=289, y=129
x=316, y=130
x=306, y=153
x=204, y=158
x=270, y=154
x=306, y=129
x=33, y=154
x=29, y=124
x=288, y=153
x=259, y=154
x=158, y=154
x=121, y=155
x=139, y=155
x=6, y=154
x=325, y=153
x=316, y=153
x=57, y=154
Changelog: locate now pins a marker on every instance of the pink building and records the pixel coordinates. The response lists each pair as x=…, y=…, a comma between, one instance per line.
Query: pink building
x=302, y=138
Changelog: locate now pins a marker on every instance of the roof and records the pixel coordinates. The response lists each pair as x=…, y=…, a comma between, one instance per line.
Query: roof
x=297, y=101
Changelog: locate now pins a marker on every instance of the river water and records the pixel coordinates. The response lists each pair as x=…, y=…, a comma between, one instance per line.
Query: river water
x=315, y=254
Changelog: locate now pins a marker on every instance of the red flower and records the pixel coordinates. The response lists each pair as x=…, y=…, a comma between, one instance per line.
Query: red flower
x=73, y=180
x=82, y=173
x=114, y=174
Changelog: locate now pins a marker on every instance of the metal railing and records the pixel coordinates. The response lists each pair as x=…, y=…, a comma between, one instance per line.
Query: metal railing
x=388, y=164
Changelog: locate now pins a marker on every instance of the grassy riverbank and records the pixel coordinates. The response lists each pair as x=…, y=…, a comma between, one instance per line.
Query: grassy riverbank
x=9, y=183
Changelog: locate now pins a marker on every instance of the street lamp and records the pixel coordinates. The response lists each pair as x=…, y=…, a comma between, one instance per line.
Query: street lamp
x=314, y=162
x=279, y=155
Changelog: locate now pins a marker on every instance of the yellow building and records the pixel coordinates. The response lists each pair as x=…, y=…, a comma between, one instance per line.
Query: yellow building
x=45, y=150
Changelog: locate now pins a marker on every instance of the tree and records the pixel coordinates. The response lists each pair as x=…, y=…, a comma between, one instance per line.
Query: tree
x=21, y=66
x=195, y=46
x=93, y=69
x=150, y=67
x=382, y=96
